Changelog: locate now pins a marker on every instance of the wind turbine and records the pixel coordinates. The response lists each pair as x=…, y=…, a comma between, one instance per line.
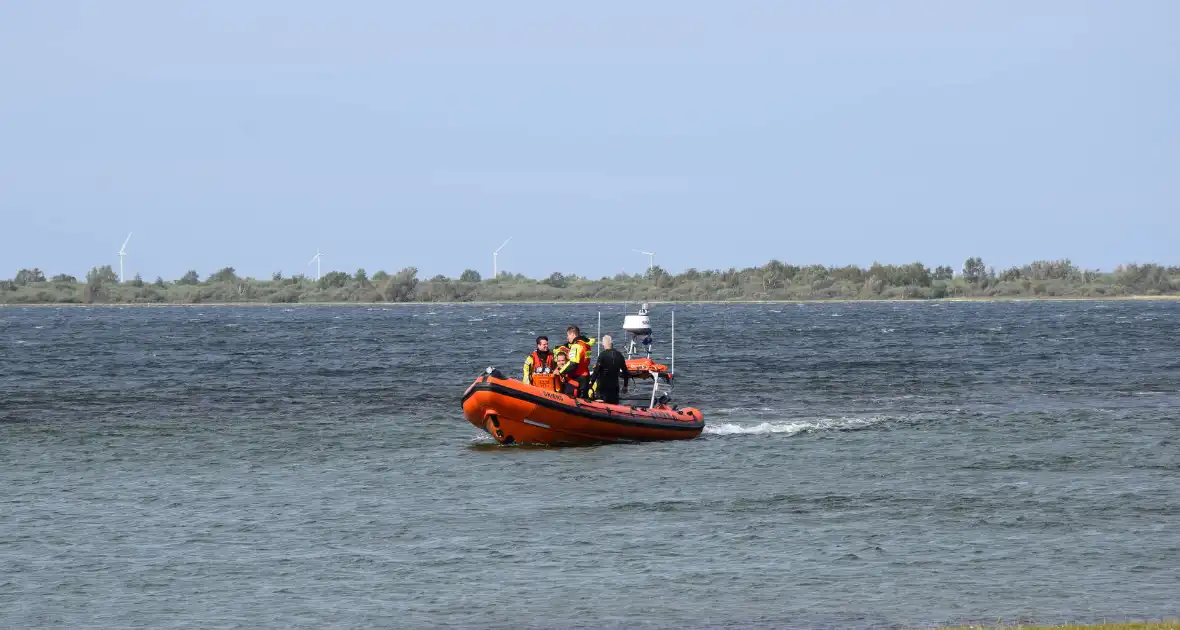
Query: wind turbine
x=651, y=258
x=122, y=253
x=316, y=259
x=497, y=253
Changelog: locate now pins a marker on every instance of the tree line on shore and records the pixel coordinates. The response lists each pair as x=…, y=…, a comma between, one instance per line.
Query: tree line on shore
x=773, y=281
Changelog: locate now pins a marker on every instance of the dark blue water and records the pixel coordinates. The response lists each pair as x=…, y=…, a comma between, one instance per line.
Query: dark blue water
x=865, y=465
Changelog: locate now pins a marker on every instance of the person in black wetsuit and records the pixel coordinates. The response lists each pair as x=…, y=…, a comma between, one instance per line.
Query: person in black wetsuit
x=611, y=365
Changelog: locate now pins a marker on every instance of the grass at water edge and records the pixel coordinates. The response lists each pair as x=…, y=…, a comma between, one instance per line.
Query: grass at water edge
x=1170, y=624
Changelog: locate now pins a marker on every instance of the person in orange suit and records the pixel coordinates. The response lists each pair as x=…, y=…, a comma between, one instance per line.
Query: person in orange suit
x=578, y=368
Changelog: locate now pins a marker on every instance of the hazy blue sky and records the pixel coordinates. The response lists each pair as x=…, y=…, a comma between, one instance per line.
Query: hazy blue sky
x=716, y=133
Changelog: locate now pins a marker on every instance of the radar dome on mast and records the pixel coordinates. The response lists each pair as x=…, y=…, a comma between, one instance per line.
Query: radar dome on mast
x=639, y=324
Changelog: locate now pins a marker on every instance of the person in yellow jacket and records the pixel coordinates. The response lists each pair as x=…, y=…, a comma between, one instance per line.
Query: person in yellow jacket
x=578, y=368
x=563, y=384
x=539, y=360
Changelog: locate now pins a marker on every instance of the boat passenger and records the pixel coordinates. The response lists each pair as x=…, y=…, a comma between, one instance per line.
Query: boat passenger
x=565, y=385
x=578, y=368
x=611, y=365
x=540, y=360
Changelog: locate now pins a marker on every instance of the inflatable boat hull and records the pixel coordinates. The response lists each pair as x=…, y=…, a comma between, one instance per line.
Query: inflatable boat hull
x=515, y=413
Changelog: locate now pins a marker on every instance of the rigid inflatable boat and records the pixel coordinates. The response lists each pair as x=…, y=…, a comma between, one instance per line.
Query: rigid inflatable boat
x=514, y=412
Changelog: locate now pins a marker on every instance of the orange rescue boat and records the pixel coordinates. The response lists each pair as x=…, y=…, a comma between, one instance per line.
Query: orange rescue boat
x=514, y=412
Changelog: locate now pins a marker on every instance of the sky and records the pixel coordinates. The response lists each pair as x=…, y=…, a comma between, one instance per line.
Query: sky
x=717, y=135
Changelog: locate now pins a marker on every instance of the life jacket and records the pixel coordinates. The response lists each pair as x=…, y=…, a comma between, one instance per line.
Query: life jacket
x=561, y=381
x=545, y=365
x=583, y=366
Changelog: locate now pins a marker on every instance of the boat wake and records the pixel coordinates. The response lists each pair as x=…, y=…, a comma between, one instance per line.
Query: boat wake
x=793, y=427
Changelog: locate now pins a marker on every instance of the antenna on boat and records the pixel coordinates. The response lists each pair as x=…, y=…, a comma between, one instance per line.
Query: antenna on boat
x=598, y=343
x=673, y=371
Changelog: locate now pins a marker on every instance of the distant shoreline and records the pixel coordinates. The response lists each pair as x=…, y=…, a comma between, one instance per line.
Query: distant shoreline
x=772, y=283
x=1116, y=298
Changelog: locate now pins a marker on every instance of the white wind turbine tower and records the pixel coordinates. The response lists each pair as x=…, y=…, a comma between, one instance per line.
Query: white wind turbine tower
x=122, y=253
x=496, y=253
x=316, y=259
x=651, y=258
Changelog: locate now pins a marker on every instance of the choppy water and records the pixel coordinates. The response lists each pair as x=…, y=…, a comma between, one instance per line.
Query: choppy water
x=865, y=465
